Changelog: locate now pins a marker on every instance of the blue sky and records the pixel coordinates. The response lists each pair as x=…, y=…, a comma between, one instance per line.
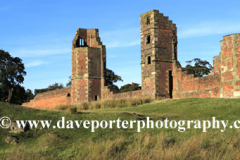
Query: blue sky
x=41, y=32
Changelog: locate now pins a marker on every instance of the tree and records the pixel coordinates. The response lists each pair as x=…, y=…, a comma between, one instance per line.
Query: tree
x=12, y=71
x=20, y=95
x=111, y=78
x=29, y=95
x=178, y=64
x=55, y=86
x=69, y=84
x=3, y=93
x=130, y=87
x=200, y=68
x=52, y=87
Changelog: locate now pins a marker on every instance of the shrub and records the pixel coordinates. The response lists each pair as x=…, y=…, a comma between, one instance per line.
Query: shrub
x=62, y=107
x=113, y=103
x=73, y=110
x=85, y=106
x=97, y=106
x=147, y=100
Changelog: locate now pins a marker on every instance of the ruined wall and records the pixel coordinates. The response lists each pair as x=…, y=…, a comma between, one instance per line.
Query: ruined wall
x=190, y=86
x=230, y=66
x=127, y=95
x=222, y=82
x=50, y=99
x=107, y=94
x=216, y=65
x=187, y=85
x=159, y=72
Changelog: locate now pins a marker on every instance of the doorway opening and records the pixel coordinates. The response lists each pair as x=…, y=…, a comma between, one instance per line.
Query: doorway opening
x=170, y=77
x=96, y=97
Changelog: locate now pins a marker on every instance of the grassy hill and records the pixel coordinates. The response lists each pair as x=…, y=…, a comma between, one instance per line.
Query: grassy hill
x=81, y=143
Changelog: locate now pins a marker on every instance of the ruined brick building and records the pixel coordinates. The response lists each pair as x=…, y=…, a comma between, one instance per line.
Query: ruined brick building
x=159, y=72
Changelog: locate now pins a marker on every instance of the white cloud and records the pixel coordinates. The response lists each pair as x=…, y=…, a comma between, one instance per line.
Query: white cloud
x=35, y=63
x=209, y=28
x=121, y=38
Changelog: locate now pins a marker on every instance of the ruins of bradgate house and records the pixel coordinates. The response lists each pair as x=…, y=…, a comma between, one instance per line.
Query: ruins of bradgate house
x=160, y=75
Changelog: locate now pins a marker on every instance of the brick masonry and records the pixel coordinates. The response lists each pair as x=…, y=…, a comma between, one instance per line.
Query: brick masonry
x=49, y=99
x=222, y=82
x=157, y=55
x=160, y=75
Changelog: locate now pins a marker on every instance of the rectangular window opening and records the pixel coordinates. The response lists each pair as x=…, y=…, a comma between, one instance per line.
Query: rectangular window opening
x=81, y=42
x=148, y=20
x=149, y=60
x=148, y=39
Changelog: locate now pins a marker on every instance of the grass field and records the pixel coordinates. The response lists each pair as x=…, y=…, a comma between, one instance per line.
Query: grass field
x=80, y=143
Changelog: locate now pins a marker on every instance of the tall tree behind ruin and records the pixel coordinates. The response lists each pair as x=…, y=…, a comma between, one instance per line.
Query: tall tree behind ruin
x=130, y=87
x=12, y=71
x=52, y=87
x=200, y=68
x=112, y=78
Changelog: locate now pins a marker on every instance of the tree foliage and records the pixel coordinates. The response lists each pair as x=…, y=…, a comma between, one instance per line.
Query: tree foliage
x=12, y=71
x=69, y=84
x=29, y=95
x=52, y=87
x=178, y=64
x=112, y=78
x=200, y=68
x=19, y=95
x=130, y=87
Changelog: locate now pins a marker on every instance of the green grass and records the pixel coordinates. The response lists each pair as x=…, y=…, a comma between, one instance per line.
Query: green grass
x=80, y=143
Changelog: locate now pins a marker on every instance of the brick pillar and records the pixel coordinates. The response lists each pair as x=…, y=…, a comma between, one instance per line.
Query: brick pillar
x=158, y=50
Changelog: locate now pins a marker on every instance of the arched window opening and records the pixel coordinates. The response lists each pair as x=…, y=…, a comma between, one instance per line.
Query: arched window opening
x=68, y=95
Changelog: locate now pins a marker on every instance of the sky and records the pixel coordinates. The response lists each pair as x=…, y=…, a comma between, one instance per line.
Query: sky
x=41, y=33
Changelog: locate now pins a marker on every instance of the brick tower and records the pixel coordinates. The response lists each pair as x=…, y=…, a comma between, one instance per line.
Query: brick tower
x=158, y=51
x=88, y=66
